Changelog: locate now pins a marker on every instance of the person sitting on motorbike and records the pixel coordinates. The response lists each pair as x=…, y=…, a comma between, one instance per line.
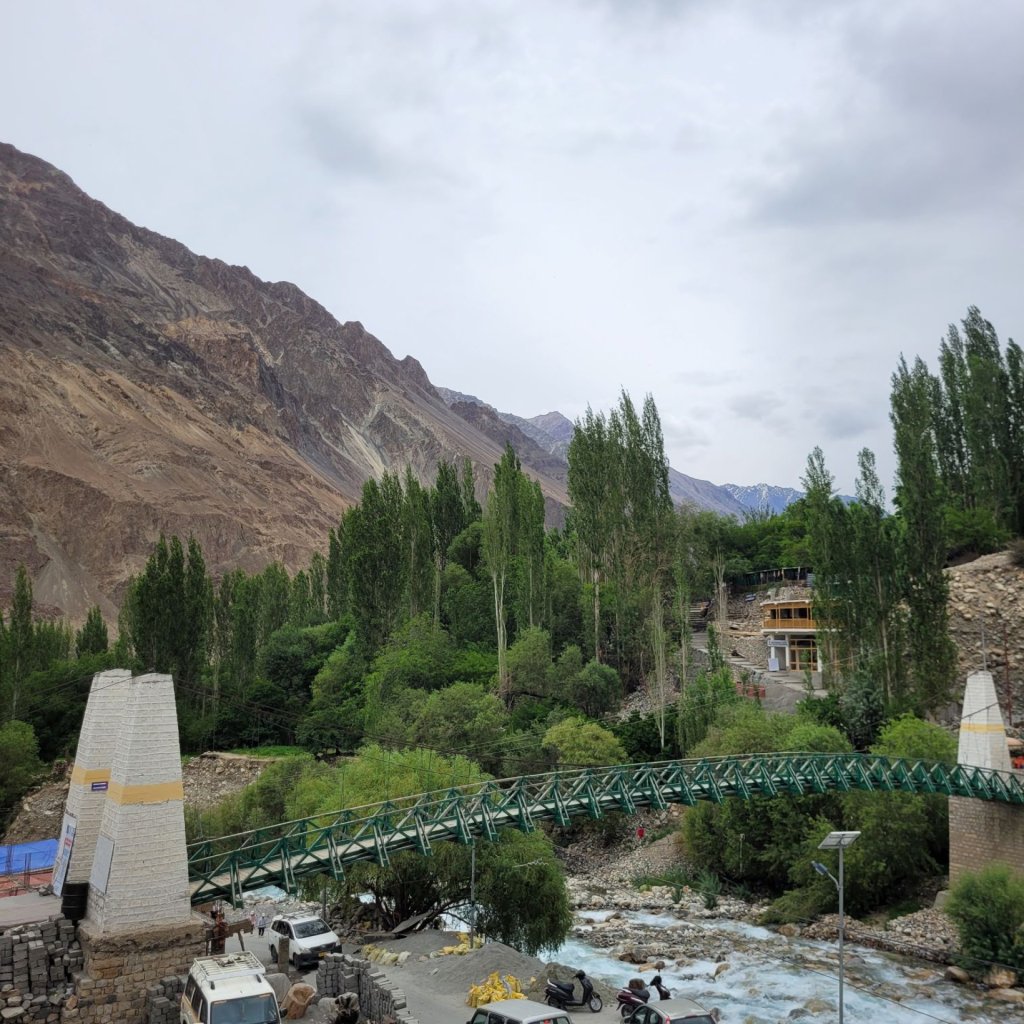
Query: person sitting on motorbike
x=663, y=993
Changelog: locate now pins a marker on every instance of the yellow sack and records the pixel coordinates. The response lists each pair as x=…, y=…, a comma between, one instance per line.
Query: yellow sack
x=494, y=988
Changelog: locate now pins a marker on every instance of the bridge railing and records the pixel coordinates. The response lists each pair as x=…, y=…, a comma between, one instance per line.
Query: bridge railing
x=285, y=852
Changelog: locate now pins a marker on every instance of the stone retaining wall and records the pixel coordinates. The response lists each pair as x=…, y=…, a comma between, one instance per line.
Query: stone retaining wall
x=379, y=999
x=119, y=969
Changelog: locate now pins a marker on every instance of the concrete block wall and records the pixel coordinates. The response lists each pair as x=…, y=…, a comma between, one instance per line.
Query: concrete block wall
x=37, y=965
x=379, y=998
x=101, y=727
x=981, y=833
x=143, y=818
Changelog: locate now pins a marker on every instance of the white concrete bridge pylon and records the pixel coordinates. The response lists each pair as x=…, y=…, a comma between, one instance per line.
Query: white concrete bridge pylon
x=90, y=777
x=982, y=732
x=139, y=877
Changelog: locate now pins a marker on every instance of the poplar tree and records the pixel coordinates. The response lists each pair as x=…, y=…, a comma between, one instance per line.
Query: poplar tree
x=880, y=581
x=418, y=542
x=501, y=521
x=377, y=564
x=274, y=600
x=529, y=558
x=829, y=549
x=919, y=499
x=449, y=516
x=318, y=588
x=593, y=491
x=92, y=638
x=194, y=654
x=338, y=556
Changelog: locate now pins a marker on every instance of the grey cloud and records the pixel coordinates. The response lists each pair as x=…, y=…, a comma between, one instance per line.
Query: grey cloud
x=929, y=125
x=841, y=421
x=758, y=406
x=345, y=147
x=682, y=434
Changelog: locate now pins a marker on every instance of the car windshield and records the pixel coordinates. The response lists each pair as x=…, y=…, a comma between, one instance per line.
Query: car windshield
x=260, y=1009
x=307, y=929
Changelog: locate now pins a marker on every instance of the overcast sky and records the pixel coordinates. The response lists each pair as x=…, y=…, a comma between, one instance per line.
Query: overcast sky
x=747, y=209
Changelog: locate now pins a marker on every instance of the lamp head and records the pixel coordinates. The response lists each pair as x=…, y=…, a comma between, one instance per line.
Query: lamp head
x=819, y=867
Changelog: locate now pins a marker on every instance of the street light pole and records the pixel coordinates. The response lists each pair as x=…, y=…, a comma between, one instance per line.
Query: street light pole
x=838, y=841
x=472, y=894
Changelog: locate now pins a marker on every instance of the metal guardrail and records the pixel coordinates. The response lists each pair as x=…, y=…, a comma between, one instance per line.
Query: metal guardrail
x=282, y=854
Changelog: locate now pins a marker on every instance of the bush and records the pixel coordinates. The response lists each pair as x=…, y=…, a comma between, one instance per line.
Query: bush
x=988, y=908
x=710, y=886
x=19, y=754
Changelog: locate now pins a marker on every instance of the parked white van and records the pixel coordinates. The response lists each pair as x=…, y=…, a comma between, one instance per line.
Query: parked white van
x=229, y=988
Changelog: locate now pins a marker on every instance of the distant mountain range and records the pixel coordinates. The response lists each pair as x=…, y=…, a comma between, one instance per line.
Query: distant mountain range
x=763, y=496
x=553, y=431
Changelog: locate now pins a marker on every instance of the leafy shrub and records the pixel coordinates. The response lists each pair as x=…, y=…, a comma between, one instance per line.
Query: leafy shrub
x=988, y=908
x=19, y=754
x=710, y=886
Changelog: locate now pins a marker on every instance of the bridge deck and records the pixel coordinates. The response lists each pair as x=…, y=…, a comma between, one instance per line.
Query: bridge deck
x=282, y=854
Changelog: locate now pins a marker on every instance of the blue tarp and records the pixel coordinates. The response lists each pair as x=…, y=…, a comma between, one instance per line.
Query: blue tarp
x=34, y=856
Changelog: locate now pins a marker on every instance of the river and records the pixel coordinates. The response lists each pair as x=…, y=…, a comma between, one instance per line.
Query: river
x=774, y=978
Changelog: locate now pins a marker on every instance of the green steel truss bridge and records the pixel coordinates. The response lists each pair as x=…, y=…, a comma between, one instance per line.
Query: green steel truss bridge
x=283, y=854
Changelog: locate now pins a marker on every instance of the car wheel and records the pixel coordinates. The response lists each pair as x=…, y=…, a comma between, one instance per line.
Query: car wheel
x=595, y=1004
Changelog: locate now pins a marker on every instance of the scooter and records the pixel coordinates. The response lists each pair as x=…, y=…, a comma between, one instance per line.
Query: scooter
x=562, y=994
x=630, y=998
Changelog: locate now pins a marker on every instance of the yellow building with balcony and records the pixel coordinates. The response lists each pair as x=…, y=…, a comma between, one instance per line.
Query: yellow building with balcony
x=789, y=629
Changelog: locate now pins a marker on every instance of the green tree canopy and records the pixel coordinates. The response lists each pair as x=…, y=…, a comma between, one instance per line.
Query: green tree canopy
x=581, y=743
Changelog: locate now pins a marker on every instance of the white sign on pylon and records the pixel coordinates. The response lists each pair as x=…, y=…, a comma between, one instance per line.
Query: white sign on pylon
x=64, y=847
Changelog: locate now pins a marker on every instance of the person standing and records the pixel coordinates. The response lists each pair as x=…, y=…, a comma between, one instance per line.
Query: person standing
x=261, y=923
x=220, y=934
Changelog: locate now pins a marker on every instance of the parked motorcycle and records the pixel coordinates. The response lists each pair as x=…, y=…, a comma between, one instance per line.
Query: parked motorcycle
x=631, y=997
x=562, y=994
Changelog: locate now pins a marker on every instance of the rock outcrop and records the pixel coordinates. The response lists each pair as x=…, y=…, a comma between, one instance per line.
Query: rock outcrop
x=986, y=608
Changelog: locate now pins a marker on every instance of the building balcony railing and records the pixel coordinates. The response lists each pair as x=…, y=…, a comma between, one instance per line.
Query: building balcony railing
x=788, y=625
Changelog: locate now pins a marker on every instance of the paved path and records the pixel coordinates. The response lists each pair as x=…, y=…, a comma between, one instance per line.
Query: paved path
x=28, y=908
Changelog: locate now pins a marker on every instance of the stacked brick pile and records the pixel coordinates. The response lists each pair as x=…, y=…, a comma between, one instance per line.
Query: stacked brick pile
x=378, y=999
x=37, y=962
x=163, y=1000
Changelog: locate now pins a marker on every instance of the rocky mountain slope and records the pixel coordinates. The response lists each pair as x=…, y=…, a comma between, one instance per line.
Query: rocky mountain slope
x=149, y=389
